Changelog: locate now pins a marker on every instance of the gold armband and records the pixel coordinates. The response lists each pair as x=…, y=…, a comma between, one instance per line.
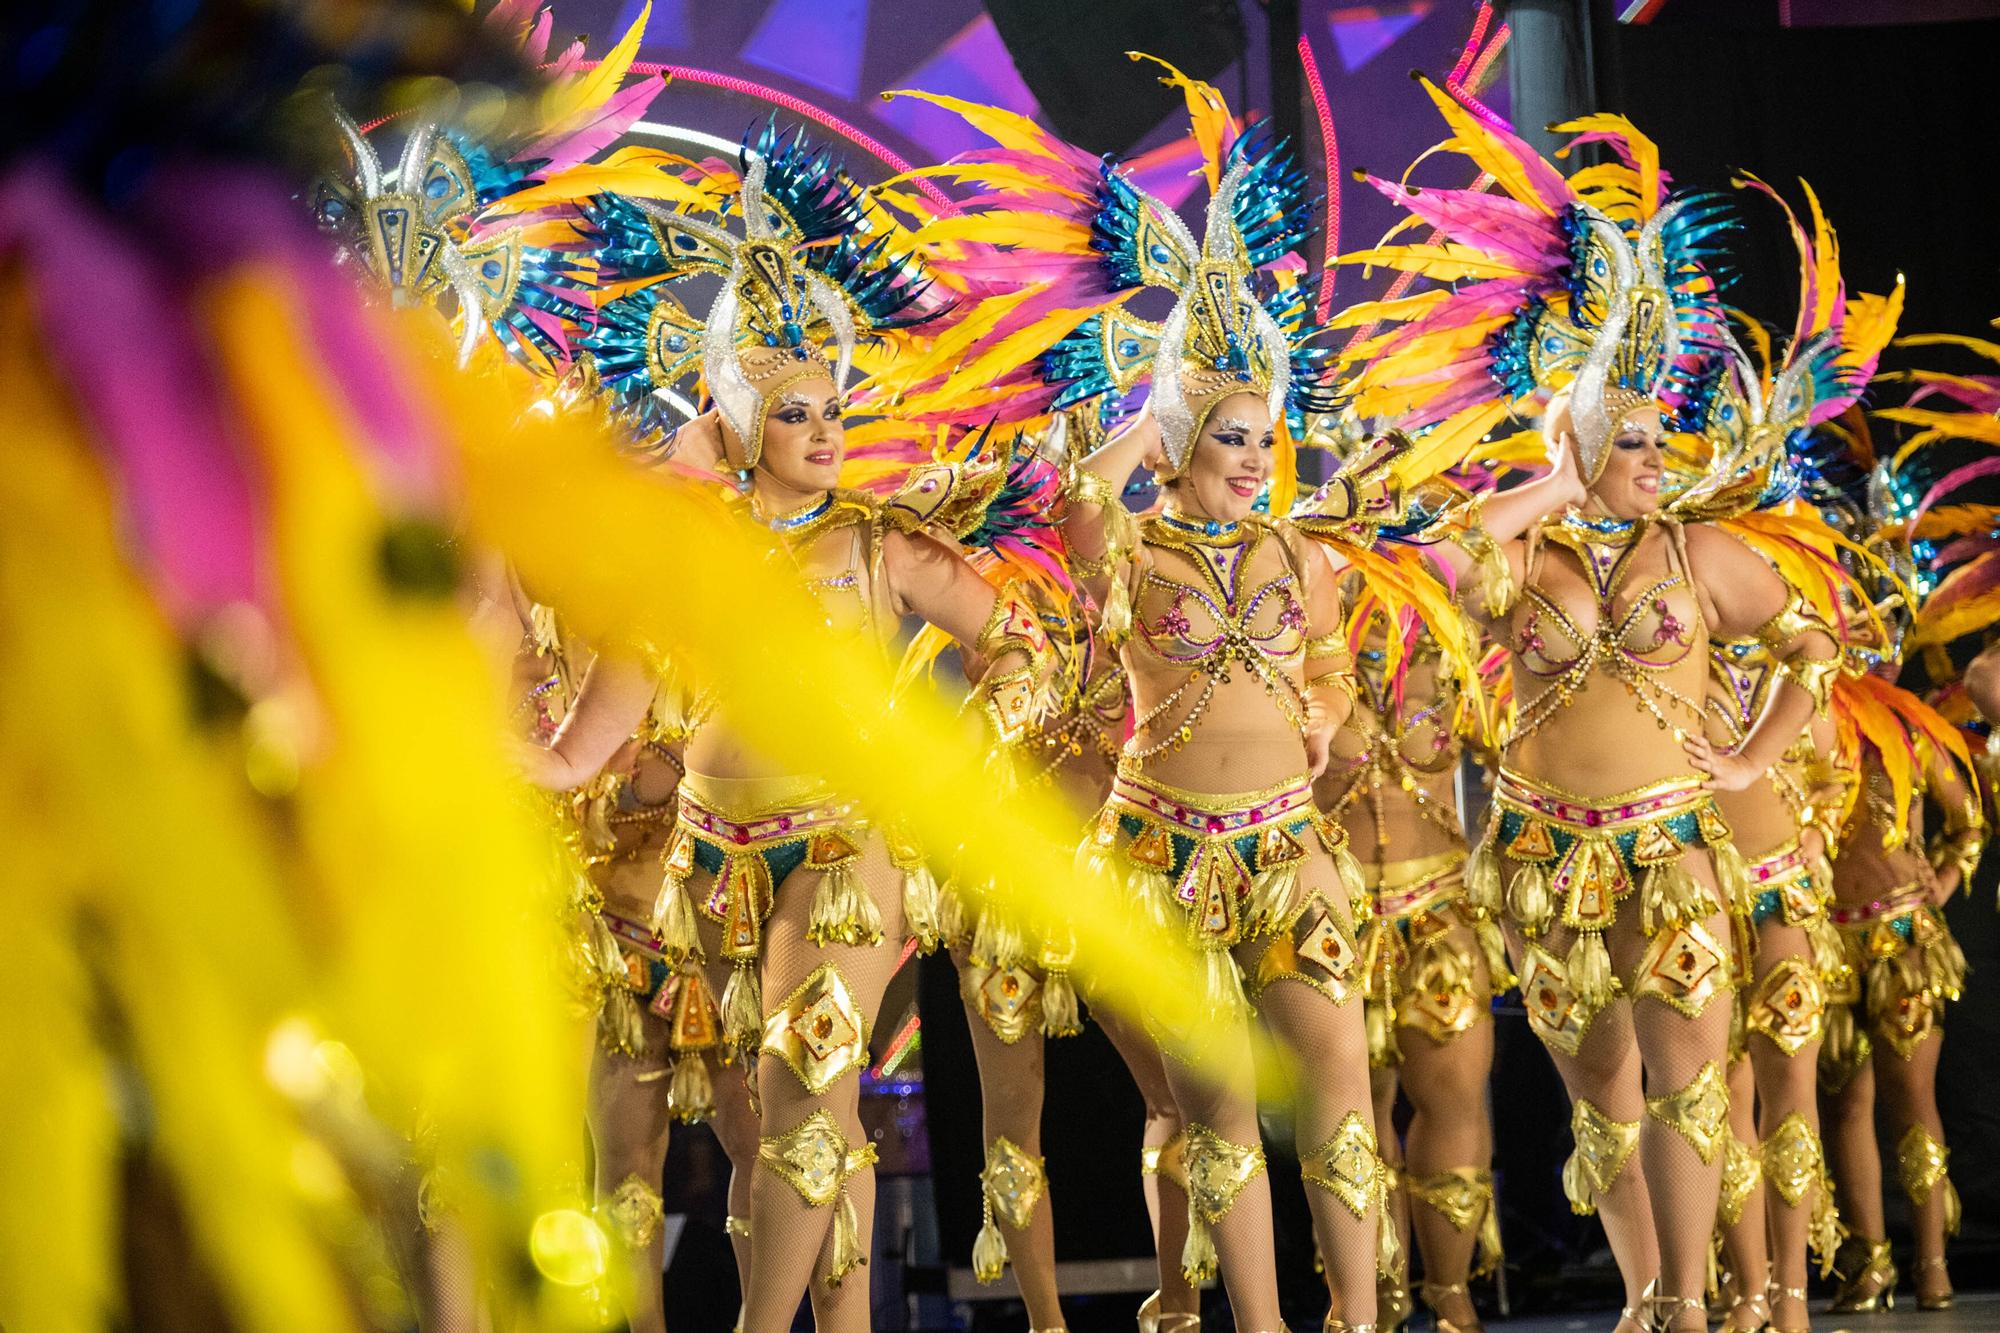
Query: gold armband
x=1960, y=846
x=1008, y=697
x=1815, y=675
x=1496, y=579
x=1088, y=488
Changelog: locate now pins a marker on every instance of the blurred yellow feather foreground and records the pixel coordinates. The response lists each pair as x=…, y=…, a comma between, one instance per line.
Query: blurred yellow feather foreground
x=262, y=953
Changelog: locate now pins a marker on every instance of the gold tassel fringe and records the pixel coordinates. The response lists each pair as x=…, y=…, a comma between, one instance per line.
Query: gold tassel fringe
x=842, y=911
x=923, y=908
x=1060, y=1014
x=1482, y=878
x=1529, y=898
x=743, y=1006
x=691, y=1095
x=1589, y=969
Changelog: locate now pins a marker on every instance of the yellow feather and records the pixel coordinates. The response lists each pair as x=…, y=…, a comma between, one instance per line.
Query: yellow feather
x=1473, y=139
x=1208, y=115
x=1040, y=232
x=638, y=180
x=1005, y=128
x=1989, y=350
x=1645, y=154
x=1444, y=261
x=569, y=101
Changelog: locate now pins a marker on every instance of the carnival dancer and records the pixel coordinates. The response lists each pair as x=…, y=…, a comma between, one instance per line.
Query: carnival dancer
x=1620, y=866
x=1432, y=961
x=1774, y=1178
x=1229, y=627
x=787, y=883
x=1891, y=877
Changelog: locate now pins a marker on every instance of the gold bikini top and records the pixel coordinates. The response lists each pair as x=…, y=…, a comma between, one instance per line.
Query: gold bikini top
x=1408, y=741
x=1215, y=622
x=837, y=544
x=1639, y=643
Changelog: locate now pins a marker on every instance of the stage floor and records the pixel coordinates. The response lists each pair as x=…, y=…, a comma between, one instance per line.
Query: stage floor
x=1974, y=1310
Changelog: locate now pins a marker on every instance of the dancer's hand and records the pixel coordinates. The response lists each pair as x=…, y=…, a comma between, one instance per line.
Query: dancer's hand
x=1944, y=883
x=1319, y=748
x=1727, y=770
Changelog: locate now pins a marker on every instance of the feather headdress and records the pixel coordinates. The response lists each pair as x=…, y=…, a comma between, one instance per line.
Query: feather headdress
x=1602, y=283
x=446, y=224
x=1060, y=243
x=798, y=288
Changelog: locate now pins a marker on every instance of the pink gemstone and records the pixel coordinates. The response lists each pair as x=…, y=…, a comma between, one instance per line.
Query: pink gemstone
x=1214, y=825
x=784, y=823
x=1256, y=816
x=740, y=835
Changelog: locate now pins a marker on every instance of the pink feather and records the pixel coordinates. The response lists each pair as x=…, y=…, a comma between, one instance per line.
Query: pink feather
x=601, y=127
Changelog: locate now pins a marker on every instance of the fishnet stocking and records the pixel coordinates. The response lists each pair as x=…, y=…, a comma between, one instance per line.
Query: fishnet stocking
x=791, y=1236
x=1011, y=1084
x=1223, y=1096
x=1909, y=1097
x=1330, y=1041
x=1746, y=1255
x=1673, y=1048
x=1785, y=1085
x=629, y=1124
x=1607, y=1069
x=1847, y=1118
x=1382, y=1086
x=1449, y=1126
x=1166, y=1201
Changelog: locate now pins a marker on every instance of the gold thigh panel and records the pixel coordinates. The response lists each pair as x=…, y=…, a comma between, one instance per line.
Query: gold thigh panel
x=1790, y=1005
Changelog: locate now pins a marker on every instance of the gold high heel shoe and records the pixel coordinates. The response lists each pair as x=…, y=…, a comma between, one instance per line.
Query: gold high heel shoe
x=1433, y=1291
x=1152, y=1319
x=1748, y=1314
x=1657, y=1313
x=1789, y=1293
x=1392, y=1304
x=1867, y=1277
x=1332, y=1325
x=1940, y=1301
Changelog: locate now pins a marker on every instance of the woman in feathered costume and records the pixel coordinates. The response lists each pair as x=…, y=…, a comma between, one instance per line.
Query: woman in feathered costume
x=1784, y=824
x=1433, y=961
x=781, y=886
x=1596, y=290
x=1892, y=877
x=1229, y=627
x=443, y=227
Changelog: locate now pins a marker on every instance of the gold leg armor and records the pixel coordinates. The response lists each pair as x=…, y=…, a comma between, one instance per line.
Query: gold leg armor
x=814, y=1158
x=634, y=1213
x=1008, y=999
x=1217, y=1171
x=1556, y=1013
x=819, y=1030
x=1683, y=967
x=1169, y=1160
x=1699, y=1112
x=1742, y=1174
x=1603, y=1146
x=1464, y=1196
x=1795, y=1162
x=1790, y=1005
x=1012, y=1184
x=1920, y=1161
x=1349, y=1167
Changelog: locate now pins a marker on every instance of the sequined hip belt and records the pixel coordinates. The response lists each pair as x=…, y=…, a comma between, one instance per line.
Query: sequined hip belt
x=1229, y=861
x=1787, y=881
x=1576, y=858
x=751, y=834
x=1401, y=889
x=1896, y=904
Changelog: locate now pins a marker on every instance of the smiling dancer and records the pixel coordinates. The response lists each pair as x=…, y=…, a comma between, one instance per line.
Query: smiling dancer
x=780, y=884
x=1620, y=867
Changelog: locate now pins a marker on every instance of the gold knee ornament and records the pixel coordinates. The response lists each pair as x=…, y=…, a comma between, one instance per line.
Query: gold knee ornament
x=1217, y=1171
x=1795, y=1163
x=634, y=1212
x=1349, y=1166
x=1010, y=1186
x=819, y=1030
x=1742, y=1174
x=1603, y=1147
x=1463, y=1196
x=1683, y=967
x=814, y=1158
x=1698, y=1112
x=1921, y=1161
